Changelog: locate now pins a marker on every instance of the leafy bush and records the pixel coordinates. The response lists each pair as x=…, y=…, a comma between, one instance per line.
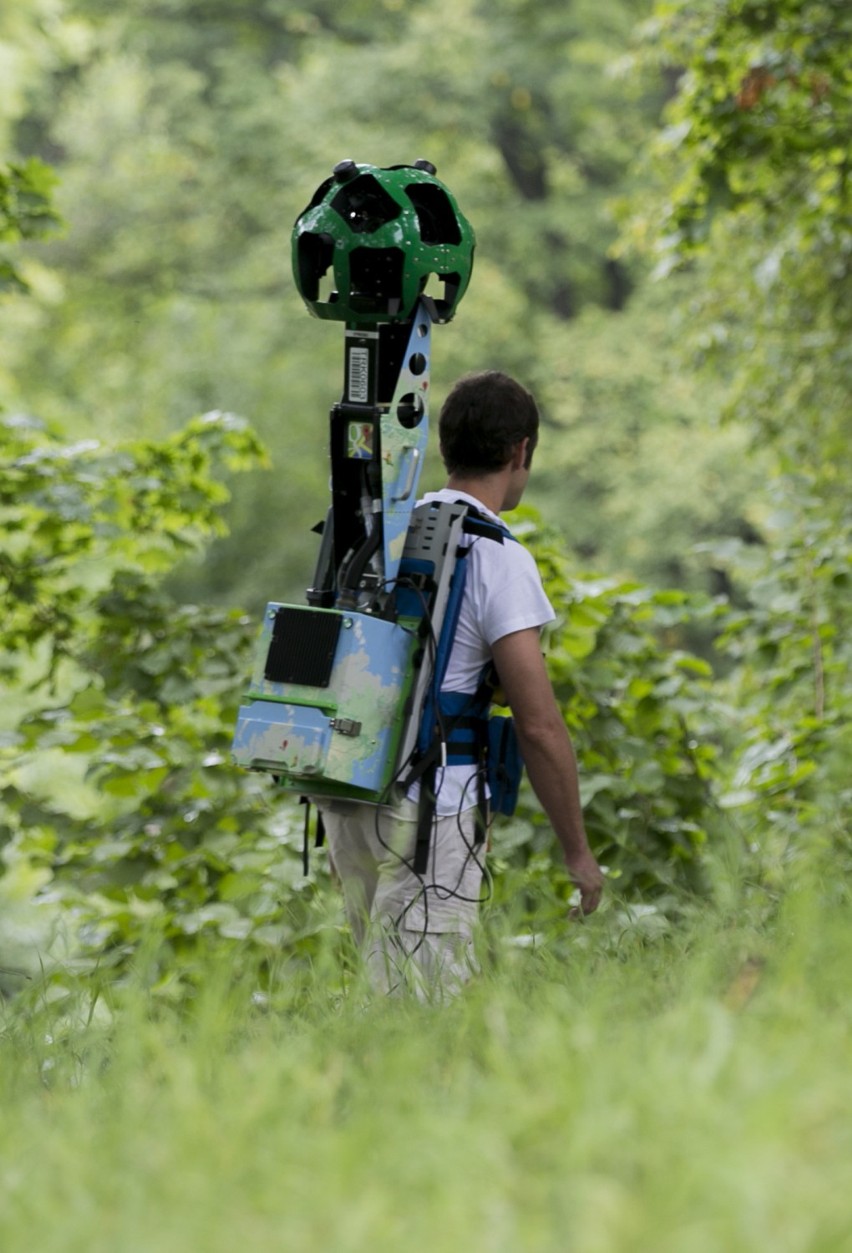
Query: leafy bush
x=26, y=210
x=121, y=814
x=790, y=685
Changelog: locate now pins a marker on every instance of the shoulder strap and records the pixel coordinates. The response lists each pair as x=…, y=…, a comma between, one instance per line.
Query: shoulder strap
x=476, y=523
x=433, y=735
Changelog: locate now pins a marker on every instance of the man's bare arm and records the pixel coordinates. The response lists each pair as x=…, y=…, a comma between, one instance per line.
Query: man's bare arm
x=548, y=754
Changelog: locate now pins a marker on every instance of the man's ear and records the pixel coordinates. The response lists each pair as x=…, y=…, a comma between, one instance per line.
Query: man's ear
x=519, y=453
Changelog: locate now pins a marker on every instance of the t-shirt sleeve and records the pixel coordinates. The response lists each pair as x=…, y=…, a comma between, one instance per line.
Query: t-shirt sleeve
x=511, y=597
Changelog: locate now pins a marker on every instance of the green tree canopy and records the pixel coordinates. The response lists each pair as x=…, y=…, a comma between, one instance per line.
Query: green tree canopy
x=190, y=136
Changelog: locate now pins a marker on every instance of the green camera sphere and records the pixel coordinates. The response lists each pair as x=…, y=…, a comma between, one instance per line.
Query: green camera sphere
x=381, y=233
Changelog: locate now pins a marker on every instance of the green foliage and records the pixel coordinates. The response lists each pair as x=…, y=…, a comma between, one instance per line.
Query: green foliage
x=754, y=195
x=121, y=814
x=762, y=116
x=190, y=136
x=790, y=685
x=635, y=467
x=26, y=211
x=754, y=184
x=75, y=514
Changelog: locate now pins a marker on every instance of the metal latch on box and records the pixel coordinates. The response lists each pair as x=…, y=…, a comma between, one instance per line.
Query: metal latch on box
x=345, y=726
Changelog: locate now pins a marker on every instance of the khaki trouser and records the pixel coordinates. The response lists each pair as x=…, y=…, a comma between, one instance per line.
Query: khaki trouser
x=416, y=932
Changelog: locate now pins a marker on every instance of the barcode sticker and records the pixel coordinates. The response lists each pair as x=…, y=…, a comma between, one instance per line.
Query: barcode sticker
x=359, y=375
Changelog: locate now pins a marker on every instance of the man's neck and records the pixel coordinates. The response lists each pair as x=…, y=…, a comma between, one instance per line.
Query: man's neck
x=488, y=489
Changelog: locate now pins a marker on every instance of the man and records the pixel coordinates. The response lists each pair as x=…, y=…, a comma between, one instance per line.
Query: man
x=416, y=930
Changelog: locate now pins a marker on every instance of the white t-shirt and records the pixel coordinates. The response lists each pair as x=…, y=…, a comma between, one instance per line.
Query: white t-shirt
x=502, y=594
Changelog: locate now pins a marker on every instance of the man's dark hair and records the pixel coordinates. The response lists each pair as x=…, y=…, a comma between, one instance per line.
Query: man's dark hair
x=483, y=418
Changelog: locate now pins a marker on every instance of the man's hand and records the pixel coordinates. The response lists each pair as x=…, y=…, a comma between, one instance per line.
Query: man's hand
x=587, y=876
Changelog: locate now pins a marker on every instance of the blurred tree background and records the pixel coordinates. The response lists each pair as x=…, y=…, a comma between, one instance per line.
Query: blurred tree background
x=661, y=196
x=188, y=138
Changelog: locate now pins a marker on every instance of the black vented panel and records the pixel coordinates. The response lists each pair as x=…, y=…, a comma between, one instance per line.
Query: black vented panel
x=304, y=642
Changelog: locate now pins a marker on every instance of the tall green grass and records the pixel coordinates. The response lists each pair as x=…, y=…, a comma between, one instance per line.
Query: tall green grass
x=624, y=1090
